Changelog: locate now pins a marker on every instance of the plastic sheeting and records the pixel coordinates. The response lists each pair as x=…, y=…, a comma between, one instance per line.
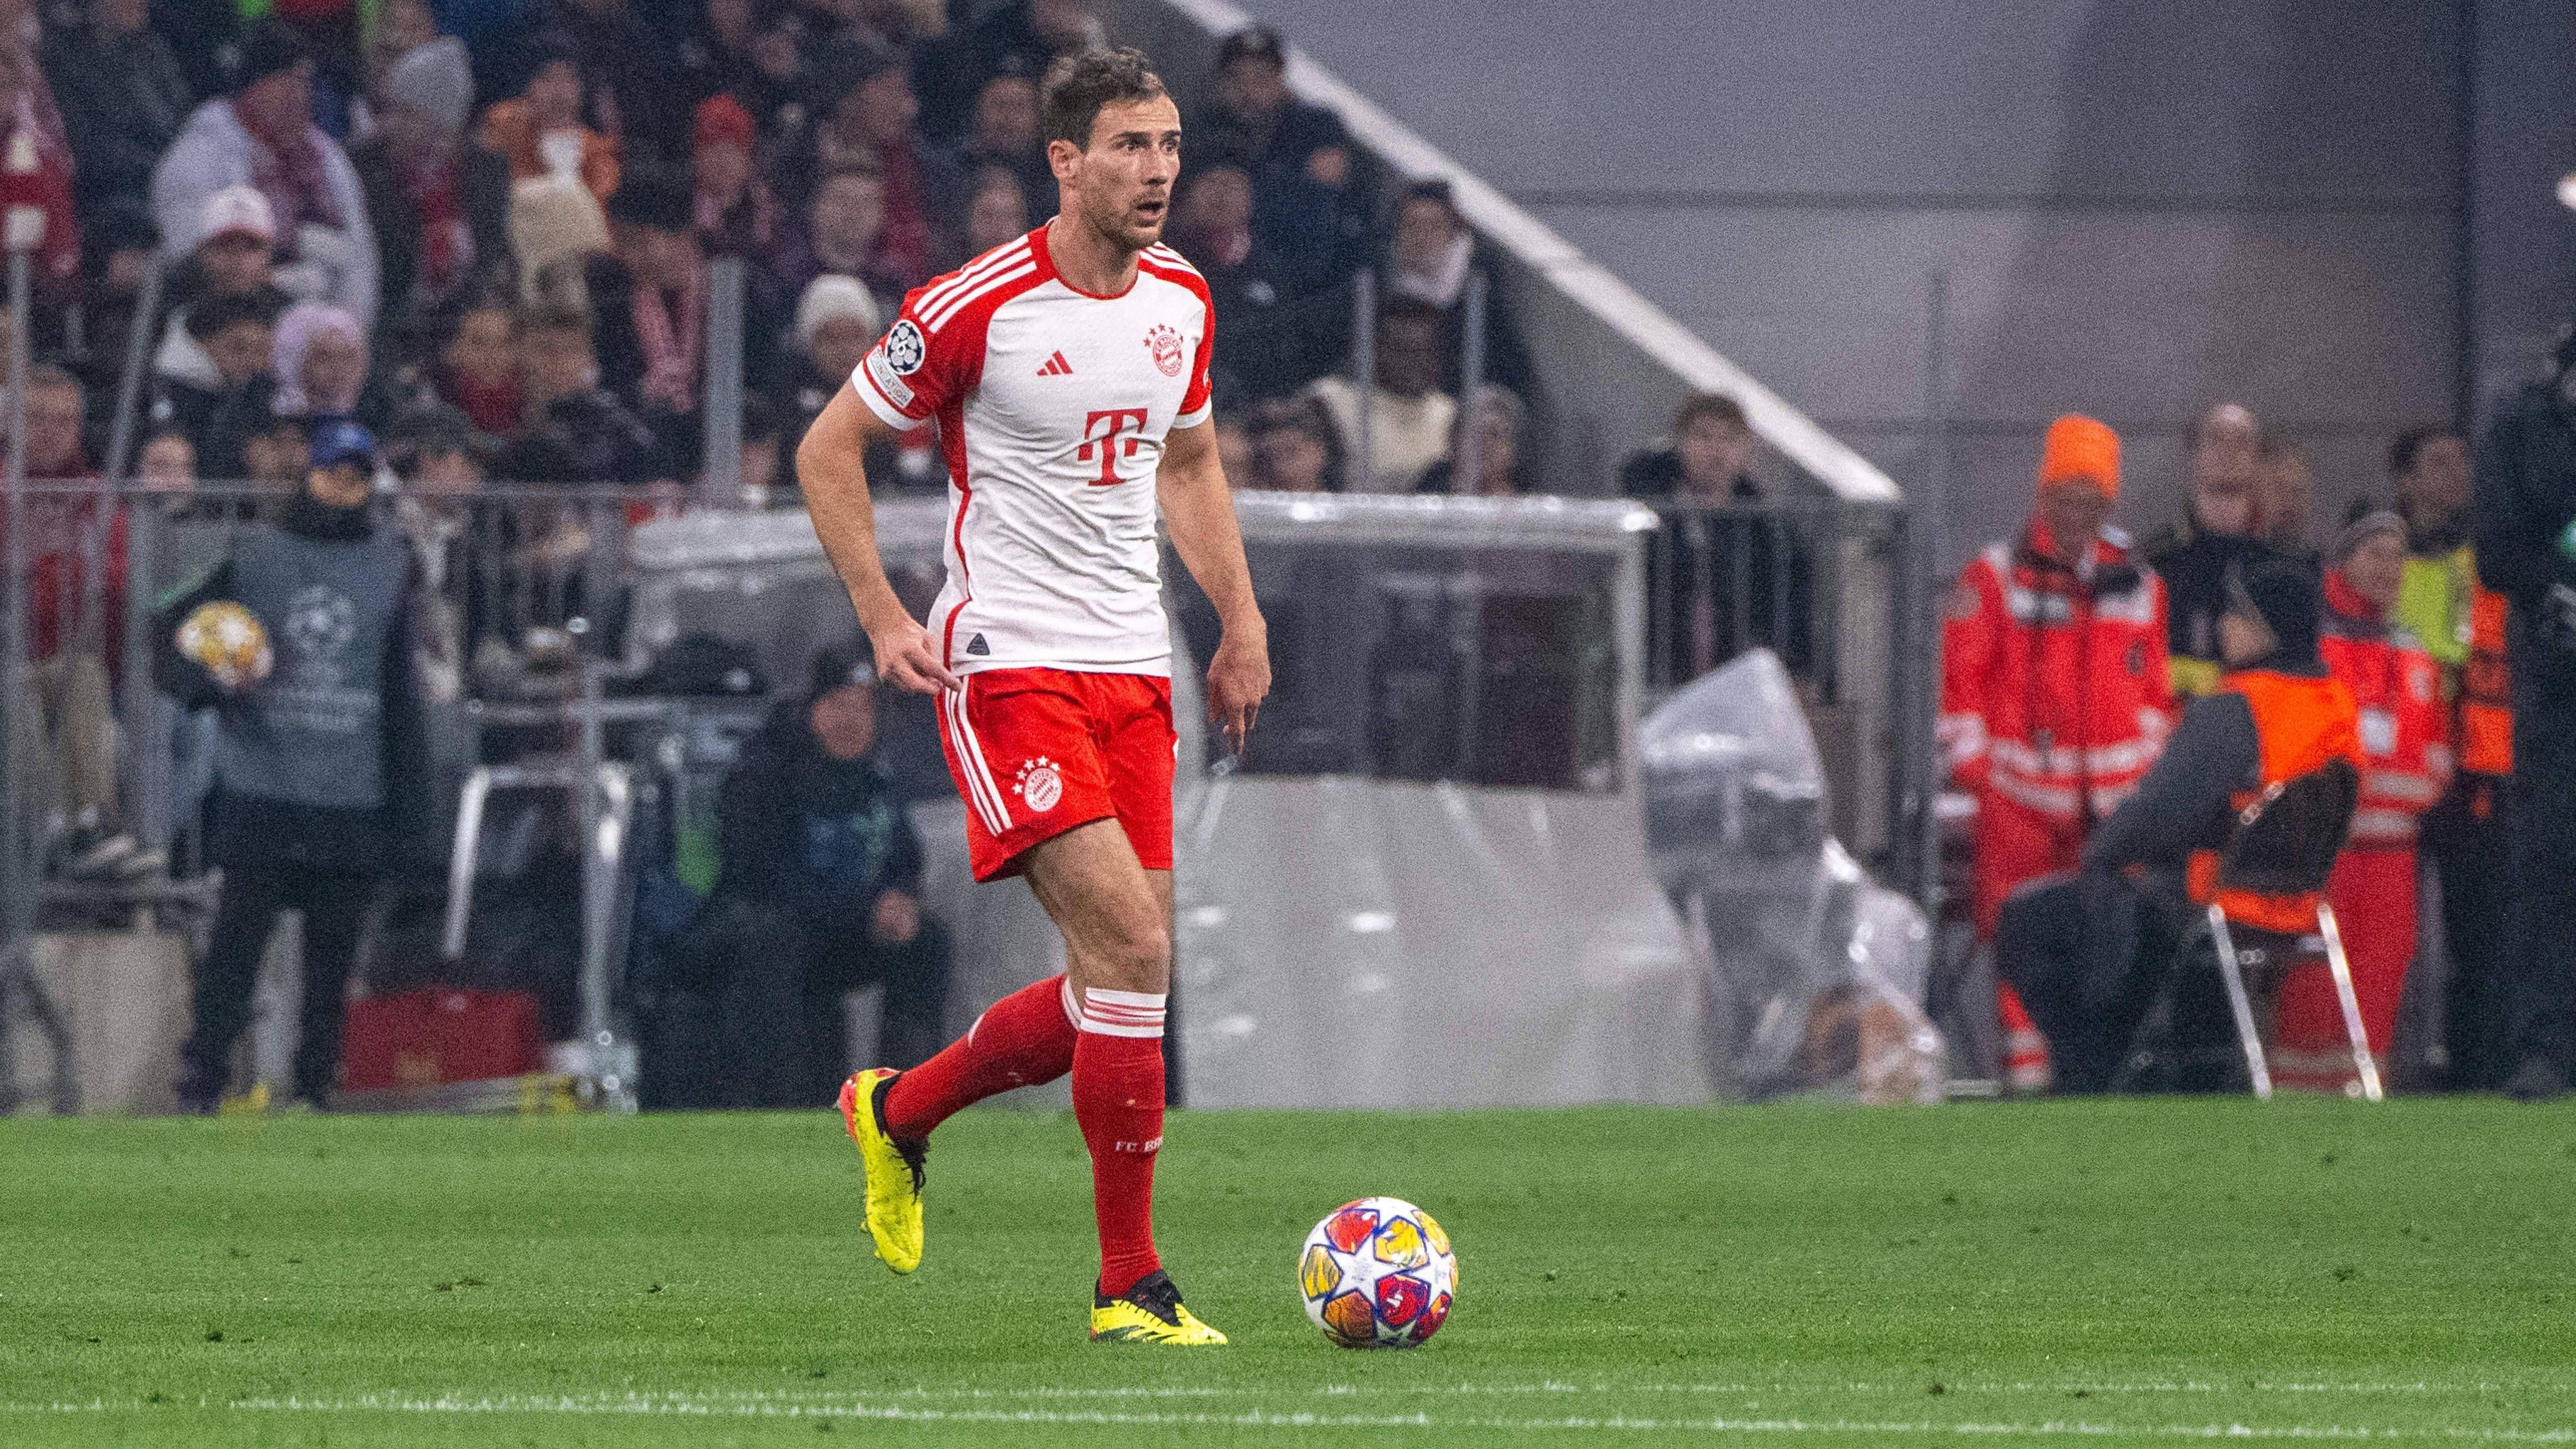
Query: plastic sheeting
x=1350, y=942
x=1816, y=973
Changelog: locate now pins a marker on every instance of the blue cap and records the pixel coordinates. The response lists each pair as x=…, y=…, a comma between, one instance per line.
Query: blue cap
x=342, y=441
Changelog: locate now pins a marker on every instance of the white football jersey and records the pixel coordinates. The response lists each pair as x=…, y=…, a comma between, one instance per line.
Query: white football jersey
x=1052, y=406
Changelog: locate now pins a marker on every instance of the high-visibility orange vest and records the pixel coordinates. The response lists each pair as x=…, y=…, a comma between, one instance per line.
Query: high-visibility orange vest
x=2299, y=724
x=2485, y=731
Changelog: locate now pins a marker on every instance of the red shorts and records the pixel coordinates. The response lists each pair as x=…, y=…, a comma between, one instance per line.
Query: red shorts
x=1036, y=752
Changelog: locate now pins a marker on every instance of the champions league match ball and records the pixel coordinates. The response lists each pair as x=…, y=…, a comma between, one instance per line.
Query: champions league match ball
x=228, y=642
x=1377, y=1273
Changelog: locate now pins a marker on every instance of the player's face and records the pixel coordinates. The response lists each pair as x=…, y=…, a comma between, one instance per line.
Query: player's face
x=1122, y=182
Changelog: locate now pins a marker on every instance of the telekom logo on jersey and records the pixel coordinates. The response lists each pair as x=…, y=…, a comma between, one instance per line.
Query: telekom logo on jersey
x=1100, y=432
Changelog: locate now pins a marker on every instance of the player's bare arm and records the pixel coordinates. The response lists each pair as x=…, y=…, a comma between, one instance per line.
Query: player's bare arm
x=829, y=465
x=1198, y=509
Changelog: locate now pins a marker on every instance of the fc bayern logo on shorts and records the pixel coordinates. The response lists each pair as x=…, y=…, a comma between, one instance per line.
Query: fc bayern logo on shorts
x=1039, y=786
x=1167, y=350
x=904, y=348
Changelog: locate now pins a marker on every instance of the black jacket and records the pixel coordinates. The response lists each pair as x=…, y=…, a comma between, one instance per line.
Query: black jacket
x=409, y=313
x=2526, y=502
x=2194, y=564
x=2186, y=800
x=123, y=100
x=1761, y=564
x=819, y=836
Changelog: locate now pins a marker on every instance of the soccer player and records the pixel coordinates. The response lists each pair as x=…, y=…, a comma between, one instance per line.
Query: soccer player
x=1068, y=375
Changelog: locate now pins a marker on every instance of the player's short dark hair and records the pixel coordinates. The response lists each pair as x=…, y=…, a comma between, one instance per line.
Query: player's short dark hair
x=2409, y=446
x=1700, y=406
x=1078, y=86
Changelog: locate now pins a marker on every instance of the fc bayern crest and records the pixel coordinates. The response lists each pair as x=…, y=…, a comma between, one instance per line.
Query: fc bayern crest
x=1167, y=350
x=1038, y=785
x=904, y=348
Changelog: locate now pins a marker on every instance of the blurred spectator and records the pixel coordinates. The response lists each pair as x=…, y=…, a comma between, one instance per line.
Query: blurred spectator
x=2406, y=764
x=1295, y=448
x=2221, y=531
x=68, y=735
x=1731, y=575
x=1429, y=256
x=233, y=258
x=319, y=358
x=26, y=96
x=1017, y=36
x=2525, y=520
x=843, y=233
x=2053, y=697
x=401, y=27
x=122, y=94
x=1498, y=418
x=167, y=462
x=119, y=246
x=477, y=367
x=631, y=87
x=1005, y=134
x=307, y=760
x=997, y=211
x=2288, y=496
x=1269, y=340
x=432, y=447
x=274, y=452
x=819, y=895
x=735, y=214
x=440, y=207
x=649, y=307
x=540, y=131
x=261, y=136
x=732, y=53
x=868, y=110
x=763, y=438
x=1409, y=417
x=2461, y=625
x=575, y=430
x=836, y=320
x=220, y=394
x=1299, y=157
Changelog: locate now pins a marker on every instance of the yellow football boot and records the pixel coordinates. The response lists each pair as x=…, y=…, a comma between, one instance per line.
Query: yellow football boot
x=1150, y=1312
x=894, y=1170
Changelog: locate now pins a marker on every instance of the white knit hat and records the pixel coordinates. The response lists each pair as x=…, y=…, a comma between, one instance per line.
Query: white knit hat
x=236, y=208
x=832, y=296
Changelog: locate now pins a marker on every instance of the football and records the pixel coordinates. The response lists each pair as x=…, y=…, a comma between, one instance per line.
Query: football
x=228, y=642
x=1377, y=1273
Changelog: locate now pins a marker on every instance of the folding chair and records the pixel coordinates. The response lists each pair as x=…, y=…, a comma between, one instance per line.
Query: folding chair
x=2285, y=844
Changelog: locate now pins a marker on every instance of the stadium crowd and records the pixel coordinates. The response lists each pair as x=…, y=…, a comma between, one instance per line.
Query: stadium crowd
x=482, y=232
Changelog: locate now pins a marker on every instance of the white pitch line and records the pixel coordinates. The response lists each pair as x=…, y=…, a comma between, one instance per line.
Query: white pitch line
x=704, y=1406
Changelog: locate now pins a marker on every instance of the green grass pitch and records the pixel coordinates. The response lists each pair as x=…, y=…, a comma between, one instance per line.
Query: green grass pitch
x=2133, y=1271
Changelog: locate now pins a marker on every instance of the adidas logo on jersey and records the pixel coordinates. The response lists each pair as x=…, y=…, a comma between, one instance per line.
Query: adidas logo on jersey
x=1056, y=366
x=977, y=647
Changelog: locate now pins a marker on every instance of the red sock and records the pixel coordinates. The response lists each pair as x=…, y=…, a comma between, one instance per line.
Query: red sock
x=1023, y=1039
x=1118, y=1100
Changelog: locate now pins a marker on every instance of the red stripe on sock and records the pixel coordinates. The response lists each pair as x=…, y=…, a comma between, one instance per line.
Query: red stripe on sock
x=1118, y=1100
x=1023, y=1040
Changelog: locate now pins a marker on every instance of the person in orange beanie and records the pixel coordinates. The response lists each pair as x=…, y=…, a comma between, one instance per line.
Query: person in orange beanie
x=2054, y=695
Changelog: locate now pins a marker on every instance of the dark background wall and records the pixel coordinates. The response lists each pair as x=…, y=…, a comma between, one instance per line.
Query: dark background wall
x=2140, y=207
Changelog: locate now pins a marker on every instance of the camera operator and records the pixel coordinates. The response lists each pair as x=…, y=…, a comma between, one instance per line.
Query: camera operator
x=2526, y=540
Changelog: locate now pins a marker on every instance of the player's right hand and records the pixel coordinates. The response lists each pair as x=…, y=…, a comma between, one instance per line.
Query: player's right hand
x=906, y=659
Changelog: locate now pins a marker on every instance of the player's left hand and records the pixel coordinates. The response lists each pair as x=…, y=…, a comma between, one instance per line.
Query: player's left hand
x=1238, y=679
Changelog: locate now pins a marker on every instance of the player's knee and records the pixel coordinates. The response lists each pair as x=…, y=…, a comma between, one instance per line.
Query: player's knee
x=1137, y=958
